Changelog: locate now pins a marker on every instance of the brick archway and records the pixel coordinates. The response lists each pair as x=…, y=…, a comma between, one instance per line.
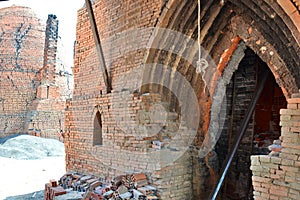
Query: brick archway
x=265, y=27
x=97, y=126
x=219, y=40
x=221, y=35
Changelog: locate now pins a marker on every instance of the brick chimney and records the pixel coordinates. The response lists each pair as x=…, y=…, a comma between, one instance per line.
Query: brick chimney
x=51, y=46
x=48, y=73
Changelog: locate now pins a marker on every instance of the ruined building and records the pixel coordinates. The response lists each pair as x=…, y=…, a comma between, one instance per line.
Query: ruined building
x=34, y=82
x=159, y=111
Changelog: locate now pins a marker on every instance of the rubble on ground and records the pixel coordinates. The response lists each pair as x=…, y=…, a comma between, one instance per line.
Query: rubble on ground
x=127, y=187
x=275, y=148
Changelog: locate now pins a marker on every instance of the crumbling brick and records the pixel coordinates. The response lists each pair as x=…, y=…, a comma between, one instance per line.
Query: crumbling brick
x=282, y=174
x=32, y=92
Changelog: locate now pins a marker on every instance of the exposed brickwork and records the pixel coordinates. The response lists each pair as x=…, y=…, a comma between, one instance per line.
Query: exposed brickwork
x=122, y=150
x=24, y=53
x=47, y=110
x=22, y=47
x=127, y=150
x=278, y=177
x=292, y=8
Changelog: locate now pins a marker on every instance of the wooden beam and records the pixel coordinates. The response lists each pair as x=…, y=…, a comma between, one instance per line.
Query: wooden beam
x=98, y=46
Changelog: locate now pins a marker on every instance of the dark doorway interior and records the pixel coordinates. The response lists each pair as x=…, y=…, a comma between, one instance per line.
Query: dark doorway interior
x=97, y=134
x=262, y=129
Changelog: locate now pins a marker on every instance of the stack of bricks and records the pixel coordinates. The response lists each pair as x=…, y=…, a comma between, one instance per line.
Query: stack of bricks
x=279, y=177
x=52, y=190
x=174, y=181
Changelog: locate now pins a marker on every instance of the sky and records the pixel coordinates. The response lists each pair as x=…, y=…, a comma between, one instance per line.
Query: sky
x=66, y=12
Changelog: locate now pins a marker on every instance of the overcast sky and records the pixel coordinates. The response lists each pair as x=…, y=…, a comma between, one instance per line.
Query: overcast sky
x=66, y=12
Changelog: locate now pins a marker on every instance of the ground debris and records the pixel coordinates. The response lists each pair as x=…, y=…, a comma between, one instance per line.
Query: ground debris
x=127, y=187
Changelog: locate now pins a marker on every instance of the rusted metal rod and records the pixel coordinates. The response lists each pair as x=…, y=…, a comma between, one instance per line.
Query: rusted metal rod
x=245, y=123
x=98, y=46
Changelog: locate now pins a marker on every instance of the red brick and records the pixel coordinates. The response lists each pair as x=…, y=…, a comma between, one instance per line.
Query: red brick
x=289, y=112
x=27, y=100
x=279, y=192
x=292, y=106
x=293, y=101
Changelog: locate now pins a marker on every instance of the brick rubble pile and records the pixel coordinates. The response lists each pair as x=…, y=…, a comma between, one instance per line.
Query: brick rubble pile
x=127, y=187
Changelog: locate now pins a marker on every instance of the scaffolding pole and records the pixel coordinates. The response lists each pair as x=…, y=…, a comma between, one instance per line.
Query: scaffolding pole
x=98, y=45
x=244, y=126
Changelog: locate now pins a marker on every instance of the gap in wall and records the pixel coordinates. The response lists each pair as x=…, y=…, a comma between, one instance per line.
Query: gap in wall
x=262, y=129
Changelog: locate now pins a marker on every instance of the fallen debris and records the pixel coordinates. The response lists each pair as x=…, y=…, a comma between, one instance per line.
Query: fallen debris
x=52, y=191
x=275, y=148
x=127, y=187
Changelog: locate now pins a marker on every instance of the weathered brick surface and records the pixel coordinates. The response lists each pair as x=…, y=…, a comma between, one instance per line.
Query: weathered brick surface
x=292, y=8
x=280, y=173
x=28, y=48
x=22, y=46
x=125, y=149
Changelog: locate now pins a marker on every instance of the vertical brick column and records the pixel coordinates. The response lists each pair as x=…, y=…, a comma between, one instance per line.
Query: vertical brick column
x=45, y=117
x=279, y=177
x=50, y=47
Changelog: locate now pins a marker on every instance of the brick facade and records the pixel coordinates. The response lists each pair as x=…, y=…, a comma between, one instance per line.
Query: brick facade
x=30, y=102
x=126, y=141
x=123, y=150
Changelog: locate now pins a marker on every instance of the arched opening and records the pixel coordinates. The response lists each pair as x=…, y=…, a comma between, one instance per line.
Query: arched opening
x=246, y=21
x=262, y=129
x=97, y=133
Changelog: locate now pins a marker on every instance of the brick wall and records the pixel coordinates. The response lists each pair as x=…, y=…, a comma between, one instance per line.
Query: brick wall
x=22, y=49
x=125, y=151
x=126, y=129
x=125, y=148
x=278, y=177
x=46, y=114
x=27, y=45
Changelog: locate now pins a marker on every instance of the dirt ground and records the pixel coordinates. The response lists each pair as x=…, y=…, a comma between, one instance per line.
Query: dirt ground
x=27, y=163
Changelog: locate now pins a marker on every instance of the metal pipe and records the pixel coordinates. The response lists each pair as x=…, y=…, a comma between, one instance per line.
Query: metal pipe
x=245, y=123
x=98, y=45
x=231, y=118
